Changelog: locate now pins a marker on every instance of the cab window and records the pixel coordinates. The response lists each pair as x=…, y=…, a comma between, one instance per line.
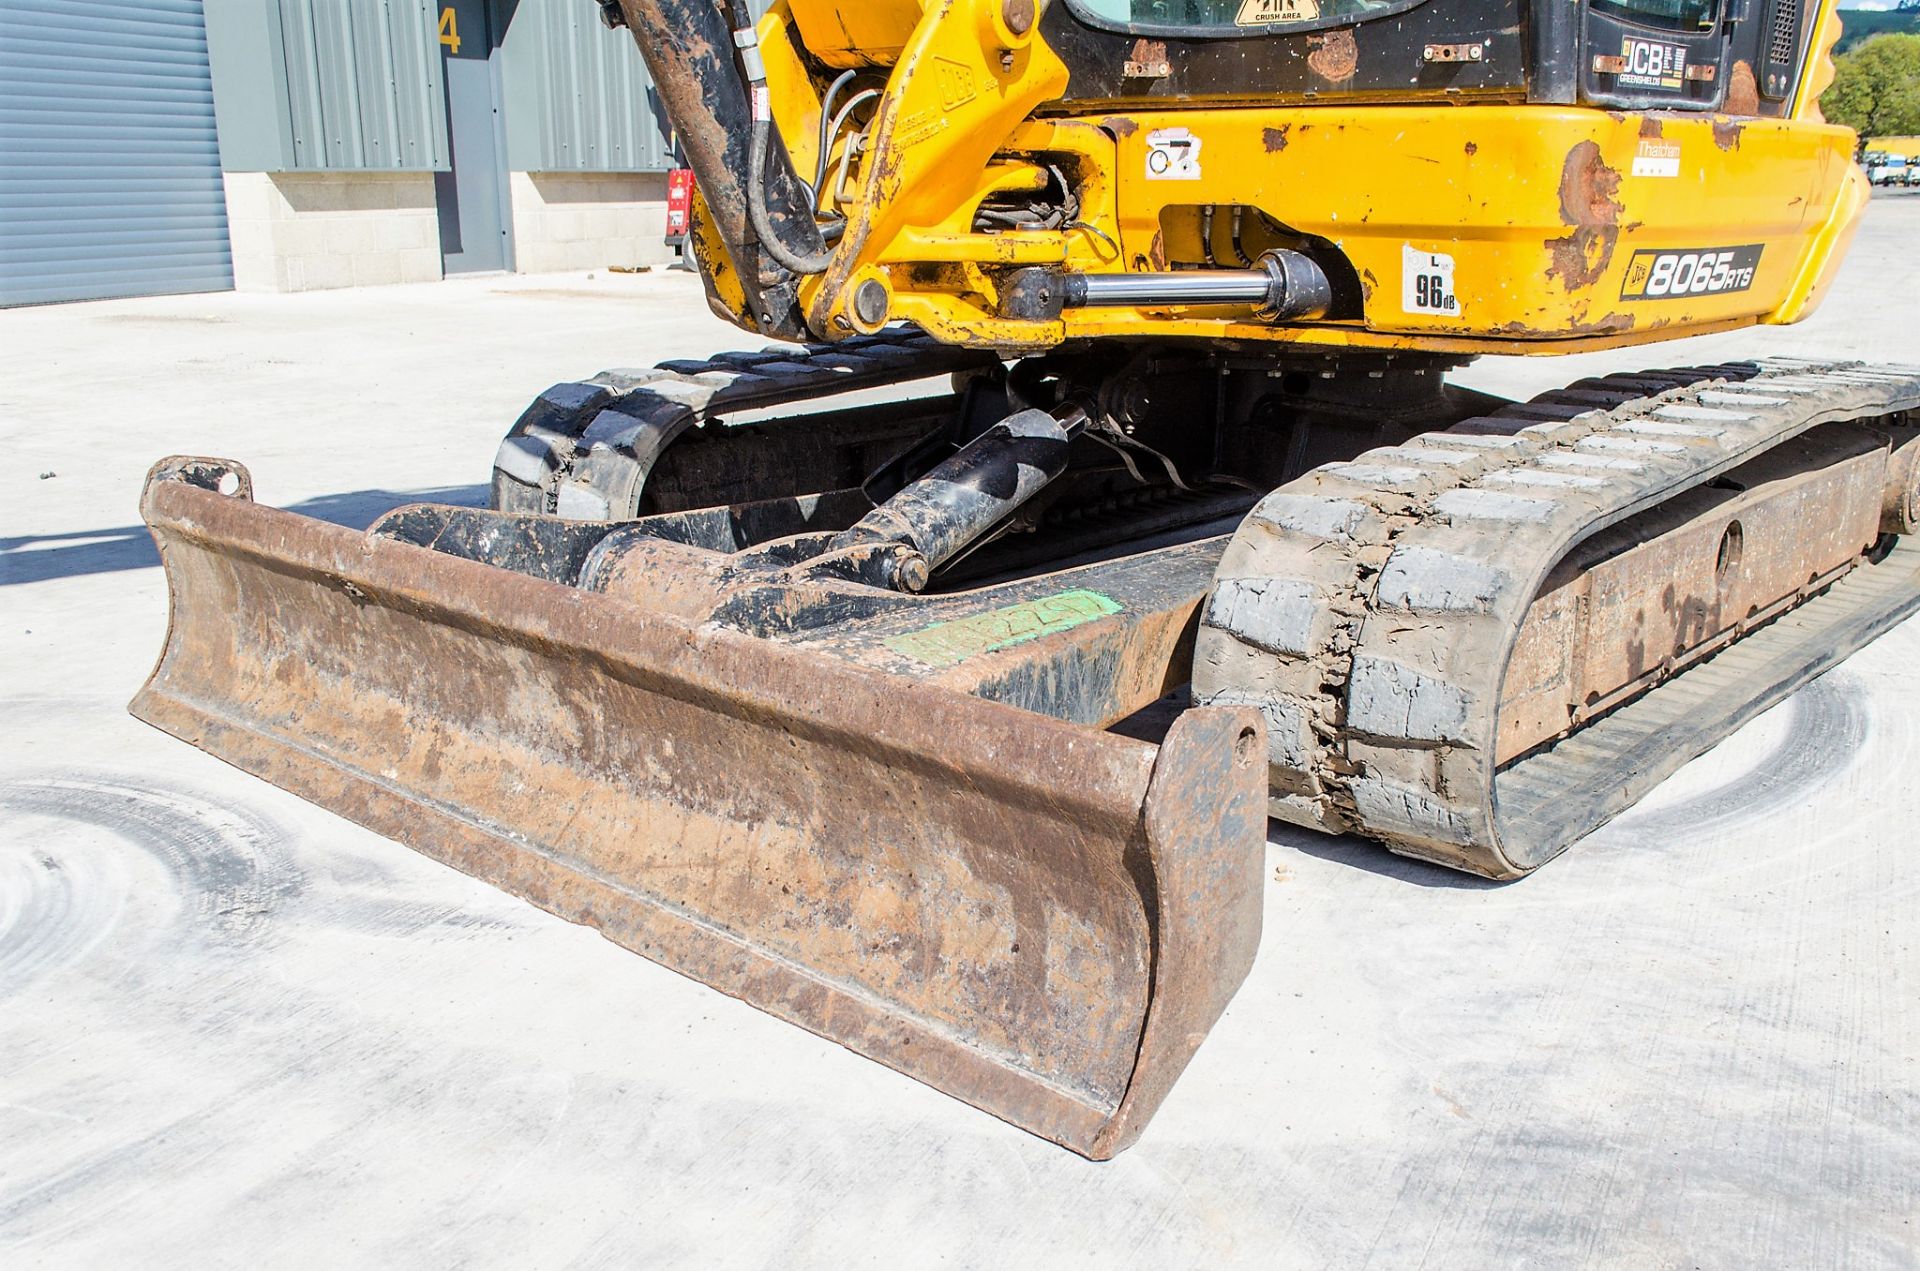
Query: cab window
x=1666, y=15
x=1230, y=17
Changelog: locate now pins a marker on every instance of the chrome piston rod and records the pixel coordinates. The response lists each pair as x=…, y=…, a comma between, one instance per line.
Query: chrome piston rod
x=1282, y=285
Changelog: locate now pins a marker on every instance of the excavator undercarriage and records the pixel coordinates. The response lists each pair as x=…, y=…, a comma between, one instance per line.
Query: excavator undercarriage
x=1004, y=832
x=927, y=677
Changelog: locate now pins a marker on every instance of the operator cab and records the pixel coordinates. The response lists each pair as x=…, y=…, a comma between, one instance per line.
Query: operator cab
x=1740, y=57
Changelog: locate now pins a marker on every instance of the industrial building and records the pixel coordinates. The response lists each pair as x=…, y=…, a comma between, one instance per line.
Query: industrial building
x=162, y=146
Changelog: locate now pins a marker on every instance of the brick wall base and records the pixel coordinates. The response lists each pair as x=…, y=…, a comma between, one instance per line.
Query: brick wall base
x=303, y=231
x=588, y=220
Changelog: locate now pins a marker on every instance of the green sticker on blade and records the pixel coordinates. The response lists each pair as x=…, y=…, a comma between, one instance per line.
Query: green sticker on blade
x=947, y=643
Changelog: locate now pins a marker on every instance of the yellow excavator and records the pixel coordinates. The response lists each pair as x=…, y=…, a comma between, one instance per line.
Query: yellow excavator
x=946, y=720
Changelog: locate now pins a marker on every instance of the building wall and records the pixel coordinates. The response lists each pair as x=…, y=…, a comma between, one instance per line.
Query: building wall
x=588, y=220
x=301, y=231
x=587, y=148
x=326, y=85
x=332, y=125
x=578, y=94
x=333, y=122
x=364, y=84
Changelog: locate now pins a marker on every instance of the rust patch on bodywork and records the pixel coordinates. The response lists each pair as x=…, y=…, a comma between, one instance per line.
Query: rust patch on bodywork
x=1743, y=95
x=1120, y=126
x=1336, y=58
x=1611, y=324
x=1275, y=139
x=1587, y=203
x=1472, y=149
x=1726, y=133
x=1650, y=126
x=1148, y=60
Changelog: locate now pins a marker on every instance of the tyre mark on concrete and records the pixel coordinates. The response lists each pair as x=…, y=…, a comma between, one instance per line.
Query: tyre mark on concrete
x=1828, y=727
x=224, y=865
x=52, y=910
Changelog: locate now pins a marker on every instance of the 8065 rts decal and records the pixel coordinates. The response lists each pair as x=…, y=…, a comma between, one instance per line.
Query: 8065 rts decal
x=1672, y=275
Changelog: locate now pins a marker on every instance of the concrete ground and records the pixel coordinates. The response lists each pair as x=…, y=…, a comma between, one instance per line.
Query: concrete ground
x=236, y=1030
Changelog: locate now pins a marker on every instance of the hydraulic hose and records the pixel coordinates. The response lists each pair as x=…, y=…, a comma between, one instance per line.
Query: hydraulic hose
x=800, y=262
x=688, y=49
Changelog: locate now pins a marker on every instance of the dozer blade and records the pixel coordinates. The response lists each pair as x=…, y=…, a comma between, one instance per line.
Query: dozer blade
x=1039, y=918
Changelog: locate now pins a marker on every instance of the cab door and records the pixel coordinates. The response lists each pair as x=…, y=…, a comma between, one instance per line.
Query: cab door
x=1741, y=57
x=1655, y=54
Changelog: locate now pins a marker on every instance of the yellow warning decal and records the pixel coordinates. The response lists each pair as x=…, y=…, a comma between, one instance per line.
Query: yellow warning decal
x=1264, y=12
x=952, y=642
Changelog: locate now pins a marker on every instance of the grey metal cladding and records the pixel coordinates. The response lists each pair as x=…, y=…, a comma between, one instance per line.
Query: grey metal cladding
x=577, y=94
x=109, y=161
x=363, y=85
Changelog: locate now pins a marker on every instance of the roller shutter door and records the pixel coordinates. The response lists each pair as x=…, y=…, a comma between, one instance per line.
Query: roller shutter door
x=109, y=162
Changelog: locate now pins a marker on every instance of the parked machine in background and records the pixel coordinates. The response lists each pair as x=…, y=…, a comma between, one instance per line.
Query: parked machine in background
x=947, y=723
x=1888, y=169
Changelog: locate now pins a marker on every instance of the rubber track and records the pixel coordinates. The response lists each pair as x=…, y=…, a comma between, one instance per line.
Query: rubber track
x=583, y=449
x=1369, y=608
x=1569, y=788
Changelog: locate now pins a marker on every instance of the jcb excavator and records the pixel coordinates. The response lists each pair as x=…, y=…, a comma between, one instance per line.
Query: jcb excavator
x=946, y=721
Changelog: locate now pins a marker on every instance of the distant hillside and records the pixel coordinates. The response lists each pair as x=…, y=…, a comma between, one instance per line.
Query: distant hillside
x=1858, y=24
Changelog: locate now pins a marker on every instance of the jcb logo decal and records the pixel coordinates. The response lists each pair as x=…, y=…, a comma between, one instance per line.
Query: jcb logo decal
x=1711, y=271
x=1652, y=64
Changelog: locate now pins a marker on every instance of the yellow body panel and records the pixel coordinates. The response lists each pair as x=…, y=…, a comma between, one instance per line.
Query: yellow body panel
x=1554, y=220
x=866, y=33
x=1906, y=147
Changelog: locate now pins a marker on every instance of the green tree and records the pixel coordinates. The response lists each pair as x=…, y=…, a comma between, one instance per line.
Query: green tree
x=1876, y=88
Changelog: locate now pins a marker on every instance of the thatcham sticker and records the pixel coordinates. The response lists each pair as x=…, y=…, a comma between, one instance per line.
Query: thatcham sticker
x=1711, y=271
x=1657, y=158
